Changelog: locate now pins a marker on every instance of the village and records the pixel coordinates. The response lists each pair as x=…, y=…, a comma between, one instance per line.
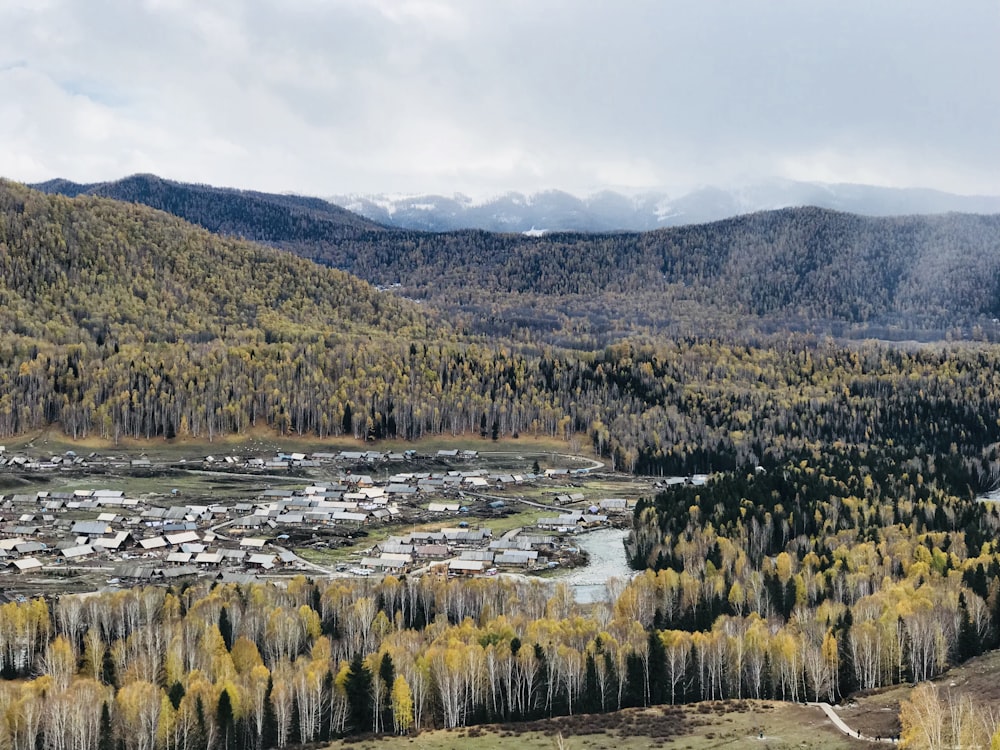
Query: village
x=406, y=521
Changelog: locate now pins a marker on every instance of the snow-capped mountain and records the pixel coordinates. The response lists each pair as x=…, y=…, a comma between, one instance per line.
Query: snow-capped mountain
x=607, y=211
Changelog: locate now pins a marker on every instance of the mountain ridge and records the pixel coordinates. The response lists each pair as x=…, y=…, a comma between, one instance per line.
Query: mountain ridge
x=814, y=269
x=514, y=212
x=607, y=210
x=250, y=214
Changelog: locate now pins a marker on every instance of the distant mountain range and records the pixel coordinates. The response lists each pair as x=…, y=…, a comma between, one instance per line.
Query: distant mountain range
x=806, y=268
x=607, y=211
x=278, y=218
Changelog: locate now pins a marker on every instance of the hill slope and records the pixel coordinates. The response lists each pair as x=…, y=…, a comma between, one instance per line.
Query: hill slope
x=262, y=217
x=801, y=268
x=808, y=267
x=120, y=320
x=105, y=268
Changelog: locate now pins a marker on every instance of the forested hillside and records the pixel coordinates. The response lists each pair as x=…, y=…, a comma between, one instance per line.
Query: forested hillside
x=119, y=319
x=262, y=217
x=101, y=271
x=805, y=268
x=798, y=268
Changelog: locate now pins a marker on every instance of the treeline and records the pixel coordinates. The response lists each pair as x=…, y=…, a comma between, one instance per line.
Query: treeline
x=703, y=406
x=690, y=407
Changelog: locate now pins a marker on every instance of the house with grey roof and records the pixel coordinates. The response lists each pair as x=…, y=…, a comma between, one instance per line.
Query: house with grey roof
x=92, y=528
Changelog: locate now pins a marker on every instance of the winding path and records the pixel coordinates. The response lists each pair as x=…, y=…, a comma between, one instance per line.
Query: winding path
x=839, y=723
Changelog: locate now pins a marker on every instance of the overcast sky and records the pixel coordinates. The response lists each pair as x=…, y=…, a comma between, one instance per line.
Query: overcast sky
x=337, y=96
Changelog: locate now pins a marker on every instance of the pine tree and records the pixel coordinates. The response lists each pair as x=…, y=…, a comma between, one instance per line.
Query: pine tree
x=543, y=677
x=635, y=678
x=387, y=674
x=225, y=720
x=359, y=695
x=176, y=695
x=347, y=423
x=108, y=669
x=968, y=639
x=226, y=628
x=788, y=604
x=996, y=620
x=295, y=724
x=847, y=679
x=591, y=687
x=106, y=731
x=199, y=710
x=269, y=728
x=325, y=729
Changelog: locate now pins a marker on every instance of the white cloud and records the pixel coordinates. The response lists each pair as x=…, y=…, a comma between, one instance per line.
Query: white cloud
x=335, y=96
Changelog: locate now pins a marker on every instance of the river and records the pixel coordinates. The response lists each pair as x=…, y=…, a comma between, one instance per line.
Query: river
x=606, y=553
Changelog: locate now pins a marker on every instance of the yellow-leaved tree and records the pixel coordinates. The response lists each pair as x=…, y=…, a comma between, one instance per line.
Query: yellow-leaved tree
x=402, y=705
x=922, y=717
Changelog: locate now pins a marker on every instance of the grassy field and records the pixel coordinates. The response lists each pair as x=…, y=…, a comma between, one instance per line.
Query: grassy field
x=155, y=486
x=729, y=724
x=262, y=440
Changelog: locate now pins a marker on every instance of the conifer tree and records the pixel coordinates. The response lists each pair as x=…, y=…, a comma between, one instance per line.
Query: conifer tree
x=226, y=721
x=106, y=730
x=226, y=628
x=387, y=674
x=359, y=695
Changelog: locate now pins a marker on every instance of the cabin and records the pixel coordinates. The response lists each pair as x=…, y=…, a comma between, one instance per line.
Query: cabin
x=516, y=558
x=26, y=564
x=78, y=552
x=461, y=567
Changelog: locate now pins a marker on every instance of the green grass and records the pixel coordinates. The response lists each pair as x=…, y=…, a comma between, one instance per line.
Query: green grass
x=527, y=517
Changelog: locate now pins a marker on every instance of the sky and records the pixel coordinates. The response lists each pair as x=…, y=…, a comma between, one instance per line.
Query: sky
x=327, y=97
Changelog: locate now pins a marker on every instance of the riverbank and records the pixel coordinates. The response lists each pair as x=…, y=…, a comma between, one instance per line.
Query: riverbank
x=606, y=561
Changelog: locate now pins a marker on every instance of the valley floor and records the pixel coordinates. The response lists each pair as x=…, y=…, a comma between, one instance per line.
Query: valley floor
x=719, y=724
